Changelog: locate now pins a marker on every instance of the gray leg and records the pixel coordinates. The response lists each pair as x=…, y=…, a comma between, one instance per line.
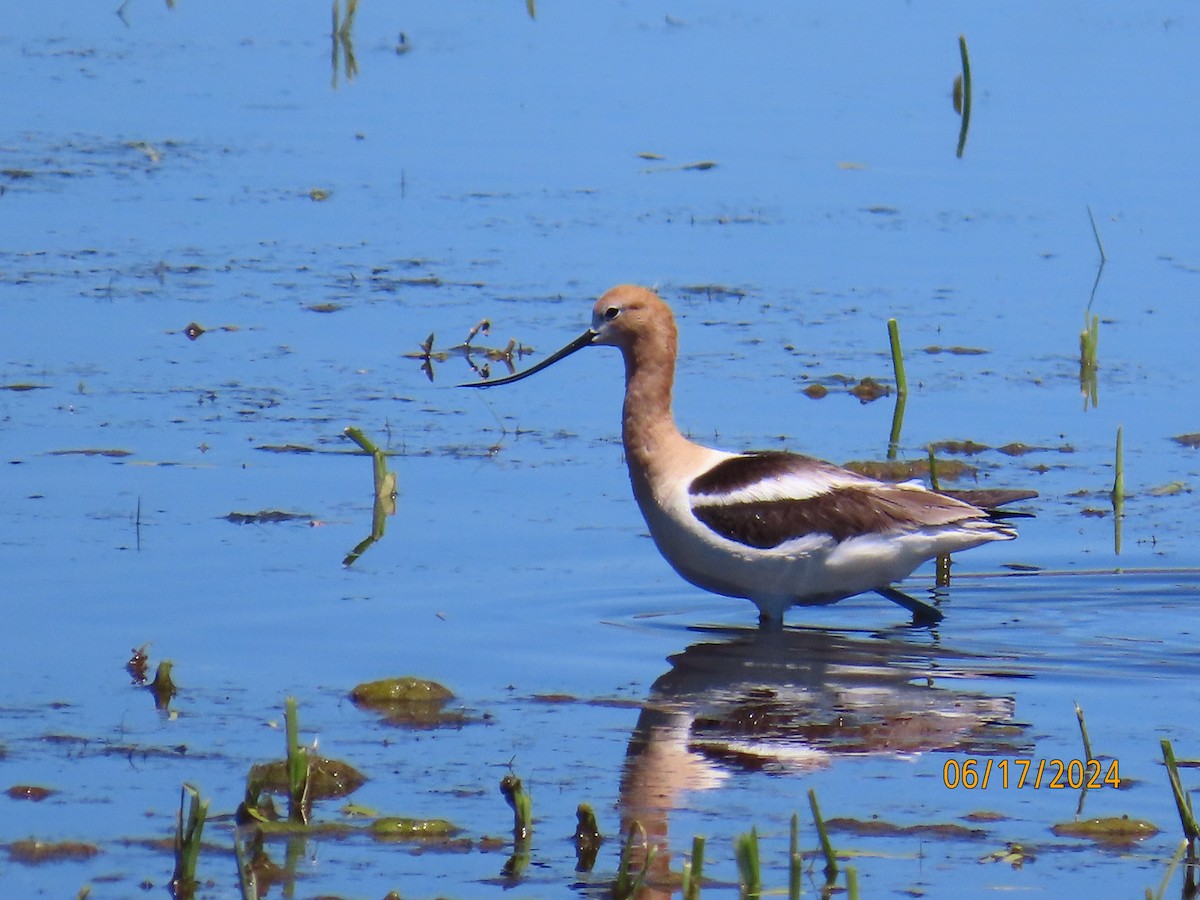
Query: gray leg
x=769, y=623
x=922, y=612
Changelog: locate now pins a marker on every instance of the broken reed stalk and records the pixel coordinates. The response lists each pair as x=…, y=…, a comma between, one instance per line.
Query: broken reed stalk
x=897, y=358
x=966, y=96
x=522, y=806
x=745, y=849
x=693, y=871
x=378, y=458
x=626, y=885
x=1096, y=232
x=297, y=765
x=901, y=388
x=1183, y=803
x=831, y=864
x=163, y=686
x=933, y=475
x=795, y=861
x=587, y=837
x=1118, y=491
x=187, y=841
x=1083, y=733
x=1089, y=341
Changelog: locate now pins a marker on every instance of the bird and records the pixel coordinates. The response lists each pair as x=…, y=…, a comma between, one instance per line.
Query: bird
x=780, y=529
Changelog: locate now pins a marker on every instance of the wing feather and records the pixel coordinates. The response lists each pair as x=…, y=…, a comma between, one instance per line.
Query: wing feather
x=764, y=499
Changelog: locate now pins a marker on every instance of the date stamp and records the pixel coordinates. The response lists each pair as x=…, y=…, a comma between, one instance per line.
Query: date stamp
x=1056, y=774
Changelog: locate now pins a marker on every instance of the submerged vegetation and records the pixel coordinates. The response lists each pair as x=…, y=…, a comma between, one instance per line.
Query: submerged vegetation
x=308, y=780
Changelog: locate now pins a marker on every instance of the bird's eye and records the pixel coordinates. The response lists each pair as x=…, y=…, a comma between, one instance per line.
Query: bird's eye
x=611, y=313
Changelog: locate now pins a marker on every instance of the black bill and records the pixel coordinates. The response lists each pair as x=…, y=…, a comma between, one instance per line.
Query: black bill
x=578, y=344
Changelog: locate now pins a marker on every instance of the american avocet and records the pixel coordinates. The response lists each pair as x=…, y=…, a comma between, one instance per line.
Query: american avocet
x=779, y=529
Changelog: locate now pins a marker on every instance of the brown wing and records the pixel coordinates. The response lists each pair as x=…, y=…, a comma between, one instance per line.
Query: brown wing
x=842, y=513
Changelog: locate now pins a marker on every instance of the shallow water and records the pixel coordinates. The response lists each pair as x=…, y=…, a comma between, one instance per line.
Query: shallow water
x=157, y=172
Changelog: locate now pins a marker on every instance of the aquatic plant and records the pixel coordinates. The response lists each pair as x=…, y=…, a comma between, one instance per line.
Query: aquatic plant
x=693, y=870
x=341, y=39
x=297, y=766
x=1089, y=341
x=587, y=838
x=901, y=388
x=795, y=860
x=522, y=806
x=1118, y=491
x=188, y=833
x=385, y=494
x=831, y=863
x=1083, y=733
x=745, y=851
x=163, y=686
x=521, y=803
x=1176, y=857
x=512, y=351
x=964, y=96
x=628, y=882
x=1183, y=803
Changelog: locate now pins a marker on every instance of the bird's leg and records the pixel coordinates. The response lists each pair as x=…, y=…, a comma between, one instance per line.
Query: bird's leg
x=768, y=622
x=922, y=612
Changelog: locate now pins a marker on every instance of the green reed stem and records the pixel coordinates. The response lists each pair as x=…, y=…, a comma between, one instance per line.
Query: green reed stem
x=1083, y=733
x=795, y=861
x=831, y=863
x=693, y=872
x=897, y=358
x=1118, y=491
x=966, y=96
x=297, y=764
x=1183, y=803
x=745, y=849
x=187, y=840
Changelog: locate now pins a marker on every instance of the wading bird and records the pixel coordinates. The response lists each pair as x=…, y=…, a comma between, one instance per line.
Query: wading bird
x=779, y=529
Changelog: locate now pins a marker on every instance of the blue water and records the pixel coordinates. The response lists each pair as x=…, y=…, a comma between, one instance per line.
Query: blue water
x=157, y=170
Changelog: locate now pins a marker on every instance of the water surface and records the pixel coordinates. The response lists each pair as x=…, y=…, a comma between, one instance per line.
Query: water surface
x=159, y=169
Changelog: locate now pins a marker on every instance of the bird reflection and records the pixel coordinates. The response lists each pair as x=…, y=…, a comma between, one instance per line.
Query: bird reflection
x=794, y=701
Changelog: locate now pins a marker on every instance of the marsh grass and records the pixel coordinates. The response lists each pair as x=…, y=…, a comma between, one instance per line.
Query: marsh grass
x=385, y=490
x=1089, y=342
x=522, y=806
x=964, y=96
x=795, y=860
x=587, y=838
x=342, y=40
x=1183, y=802
x=693, y=870
x=745, y=851
x=831, y=863
x=901, y=388
x=1118, y=490
x=628, y=881
x=521, y=803
x=188, y=833
x=1176, y=858
x=163, y=686
x=1087, y=755
x=298, y=769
